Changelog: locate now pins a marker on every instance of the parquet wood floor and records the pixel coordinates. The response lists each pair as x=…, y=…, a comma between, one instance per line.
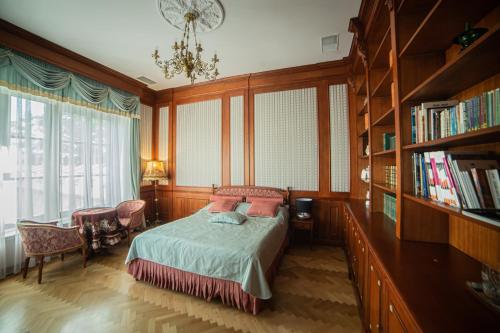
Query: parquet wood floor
x=311, y=293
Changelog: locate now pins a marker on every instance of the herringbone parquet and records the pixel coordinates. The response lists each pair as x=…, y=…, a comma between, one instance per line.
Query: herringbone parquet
x=310, y=294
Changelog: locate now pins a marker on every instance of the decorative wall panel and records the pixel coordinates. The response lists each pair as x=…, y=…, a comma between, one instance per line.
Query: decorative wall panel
x=237, y=140
x=198, y=143
x=339, y=136
x=163, y=134
x=146, y=132
x=286, y=139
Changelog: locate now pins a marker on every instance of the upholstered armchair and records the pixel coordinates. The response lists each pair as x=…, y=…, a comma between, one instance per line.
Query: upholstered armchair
x=131, y=215
x=47, y=239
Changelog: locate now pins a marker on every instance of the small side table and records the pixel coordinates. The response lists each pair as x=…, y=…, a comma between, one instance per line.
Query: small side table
x=305, y=224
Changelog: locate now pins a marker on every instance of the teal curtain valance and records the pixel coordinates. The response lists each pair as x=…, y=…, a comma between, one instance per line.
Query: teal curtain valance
x=26, y=74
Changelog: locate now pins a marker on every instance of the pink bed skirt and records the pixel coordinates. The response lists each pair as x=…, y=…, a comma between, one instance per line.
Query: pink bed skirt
x=229, y=292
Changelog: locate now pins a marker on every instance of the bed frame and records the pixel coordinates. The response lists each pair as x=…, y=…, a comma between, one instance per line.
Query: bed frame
x=229, y=292
x=255, y=191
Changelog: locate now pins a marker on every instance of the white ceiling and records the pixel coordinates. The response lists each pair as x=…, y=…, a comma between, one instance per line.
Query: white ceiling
x=256, y=35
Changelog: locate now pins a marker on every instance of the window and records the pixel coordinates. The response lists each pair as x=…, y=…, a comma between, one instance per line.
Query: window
x=61, y=158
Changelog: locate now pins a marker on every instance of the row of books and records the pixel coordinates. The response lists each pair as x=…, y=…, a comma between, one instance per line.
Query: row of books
x=467, y=180
x=435, y=120
x=389, y=141
x=390, y=206
x=390, y=175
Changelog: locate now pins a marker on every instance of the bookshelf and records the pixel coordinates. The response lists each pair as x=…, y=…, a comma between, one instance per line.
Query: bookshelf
x=410, y=59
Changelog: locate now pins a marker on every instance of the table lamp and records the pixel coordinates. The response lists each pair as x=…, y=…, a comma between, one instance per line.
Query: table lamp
x=155, y=172
x=303, y=207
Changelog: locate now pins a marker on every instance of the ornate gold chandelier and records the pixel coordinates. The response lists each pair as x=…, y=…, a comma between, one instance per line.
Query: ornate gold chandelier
x=185, y=60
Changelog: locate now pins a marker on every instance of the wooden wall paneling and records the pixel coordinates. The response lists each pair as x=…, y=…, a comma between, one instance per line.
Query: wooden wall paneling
x=165, y=204
x=187, y=203
x=477, y=241
x=147, y=194
x=424, y=224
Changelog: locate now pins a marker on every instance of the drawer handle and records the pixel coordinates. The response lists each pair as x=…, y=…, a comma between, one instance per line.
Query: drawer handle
x=371, y=268
x=379, y=283
x=391, y=308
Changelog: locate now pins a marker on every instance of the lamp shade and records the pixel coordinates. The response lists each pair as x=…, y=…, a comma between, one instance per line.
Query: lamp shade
x=303, y=205
x=154, y=171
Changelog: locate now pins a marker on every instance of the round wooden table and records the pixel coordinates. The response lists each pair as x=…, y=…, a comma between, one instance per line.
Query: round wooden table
x=99, y=225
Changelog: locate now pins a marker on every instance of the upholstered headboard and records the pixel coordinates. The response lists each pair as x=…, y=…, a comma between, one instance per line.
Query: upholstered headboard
x=257, y=191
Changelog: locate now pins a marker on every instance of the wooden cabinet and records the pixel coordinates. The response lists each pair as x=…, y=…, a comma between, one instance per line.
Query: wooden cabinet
x=396, y=320
x=383, y=311
x=374, y=294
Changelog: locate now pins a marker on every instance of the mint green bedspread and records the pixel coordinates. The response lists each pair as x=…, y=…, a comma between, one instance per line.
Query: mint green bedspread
x=240, y=253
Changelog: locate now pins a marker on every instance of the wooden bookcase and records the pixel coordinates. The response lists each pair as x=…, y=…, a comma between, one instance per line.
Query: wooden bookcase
x=403, y=55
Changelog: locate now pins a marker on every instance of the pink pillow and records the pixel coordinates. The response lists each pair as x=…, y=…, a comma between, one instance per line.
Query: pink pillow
x=220, y=206
x=267, y=199
x=263, y=208
x=216, y=197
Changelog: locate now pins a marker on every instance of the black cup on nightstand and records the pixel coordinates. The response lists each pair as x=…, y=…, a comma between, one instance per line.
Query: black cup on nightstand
x=304, y=208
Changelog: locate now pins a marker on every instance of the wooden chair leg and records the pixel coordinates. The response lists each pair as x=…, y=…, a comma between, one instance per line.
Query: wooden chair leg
x=40, y=268
x=25, y=267
x=62, y=256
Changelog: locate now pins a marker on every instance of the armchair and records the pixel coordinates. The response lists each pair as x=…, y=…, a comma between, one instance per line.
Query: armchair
x=130, y=215
x=46, y=239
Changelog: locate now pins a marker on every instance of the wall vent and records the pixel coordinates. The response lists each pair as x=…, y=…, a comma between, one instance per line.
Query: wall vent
x=145, y=80
x=330, y=43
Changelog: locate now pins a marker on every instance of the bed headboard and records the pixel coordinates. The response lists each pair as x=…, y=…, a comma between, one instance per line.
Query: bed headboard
x=258, y=191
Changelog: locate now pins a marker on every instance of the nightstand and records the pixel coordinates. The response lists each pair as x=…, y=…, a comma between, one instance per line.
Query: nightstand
x=305, y=225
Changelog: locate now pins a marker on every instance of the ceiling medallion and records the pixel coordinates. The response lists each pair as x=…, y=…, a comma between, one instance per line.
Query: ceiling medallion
x=190, y=16
x=210, y=13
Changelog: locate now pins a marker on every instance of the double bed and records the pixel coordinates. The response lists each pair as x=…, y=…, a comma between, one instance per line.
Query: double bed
x=235, y=263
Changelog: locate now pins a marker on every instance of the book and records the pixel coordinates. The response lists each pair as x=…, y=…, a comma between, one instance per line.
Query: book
x=494, y=183
x=482, y=188
x=430, y=177
x=440, y=119
x=467, y=180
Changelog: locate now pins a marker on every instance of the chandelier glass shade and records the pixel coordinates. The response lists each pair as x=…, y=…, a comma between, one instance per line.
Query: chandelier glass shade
x=186, y=60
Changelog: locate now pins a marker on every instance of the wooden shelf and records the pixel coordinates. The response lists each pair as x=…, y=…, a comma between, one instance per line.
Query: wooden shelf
x=385, y=187
x=439, y=27
x=385, y=153
x=387, y=118
x=447, y=209
x=381, y=55
x=364, y=157
x=467, y=69
x=383, y=89
x=485, y=135
x=363, y=133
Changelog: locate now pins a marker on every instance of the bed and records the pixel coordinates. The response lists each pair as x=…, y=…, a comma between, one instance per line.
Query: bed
x=235, y=263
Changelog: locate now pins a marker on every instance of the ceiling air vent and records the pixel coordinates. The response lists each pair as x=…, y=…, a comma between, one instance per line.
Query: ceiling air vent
x=330, y=43
x=145, y=80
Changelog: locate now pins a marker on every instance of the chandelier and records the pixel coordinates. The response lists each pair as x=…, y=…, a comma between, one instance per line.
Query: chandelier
x=186, y=60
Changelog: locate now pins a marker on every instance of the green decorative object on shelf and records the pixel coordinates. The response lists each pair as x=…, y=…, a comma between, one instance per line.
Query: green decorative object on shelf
x=466, y=38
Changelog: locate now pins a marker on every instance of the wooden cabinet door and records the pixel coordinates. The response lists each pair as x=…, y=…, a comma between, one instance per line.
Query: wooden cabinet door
x=374, y=297
x=397, y=319
x=362, y=259
x=335, y=226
